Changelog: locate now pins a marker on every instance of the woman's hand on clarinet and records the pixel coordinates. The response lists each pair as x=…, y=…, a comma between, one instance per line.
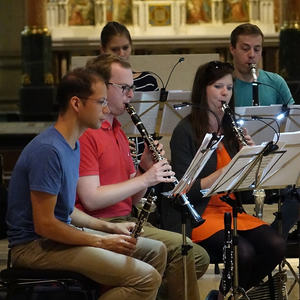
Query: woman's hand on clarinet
x=248, y=138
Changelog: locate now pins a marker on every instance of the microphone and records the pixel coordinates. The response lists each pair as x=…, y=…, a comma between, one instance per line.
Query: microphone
x=163, y=92
x=285, y=111
x=179, y=106
x=255, y=101
x=181, y=59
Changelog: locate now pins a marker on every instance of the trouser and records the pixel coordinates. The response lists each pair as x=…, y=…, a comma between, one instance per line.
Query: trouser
x=137, y=277
x=173, y=281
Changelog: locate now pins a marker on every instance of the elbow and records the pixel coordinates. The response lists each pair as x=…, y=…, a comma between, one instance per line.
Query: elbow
x=90, y=203
x=43, y=227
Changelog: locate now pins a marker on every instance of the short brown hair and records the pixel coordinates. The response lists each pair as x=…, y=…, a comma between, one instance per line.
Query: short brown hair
x=77, y=82
x=244, y=29
x=102, y=64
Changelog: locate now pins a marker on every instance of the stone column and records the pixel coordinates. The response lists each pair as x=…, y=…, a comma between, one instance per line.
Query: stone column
x=217, y=11
x=289, y=46
x=37, y=91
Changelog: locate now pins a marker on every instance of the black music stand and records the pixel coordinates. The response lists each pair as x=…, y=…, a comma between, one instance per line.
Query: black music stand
x=208, y=146
x=156, y=112
x=242, y=173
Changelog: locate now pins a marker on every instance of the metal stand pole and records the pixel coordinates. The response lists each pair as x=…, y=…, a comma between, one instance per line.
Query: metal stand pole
x=184, y=249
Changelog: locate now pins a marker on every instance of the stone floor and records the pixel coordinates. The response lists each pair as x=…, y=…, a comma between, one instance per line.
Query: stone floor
x=210, y=280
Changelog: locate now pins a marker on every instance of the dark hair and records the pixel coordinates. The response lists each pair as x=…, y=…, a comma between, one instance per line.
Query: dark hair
x=206, y=75
x=244, y=29
x=112, y=29
x=75, y=83
x=102, y=64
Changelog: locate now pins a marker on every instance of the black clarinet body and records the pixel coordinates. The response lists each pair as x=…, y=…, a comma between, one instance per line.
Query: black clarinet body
x=227, y=274
x=238, y=131
x=143, y=215
x=157, y=157
x=255, y=100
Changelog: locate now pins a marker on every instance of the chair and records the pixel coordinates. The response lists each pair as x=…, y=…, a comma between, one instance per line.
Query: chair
x=34, y=284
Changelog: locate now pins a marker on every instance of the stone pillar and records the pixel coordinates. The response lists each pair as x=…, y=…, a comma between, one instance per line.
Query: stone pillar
x=217, y=11
x=289, y=46
x=100, y=12
x=37, y=91
x=254, y=13
x=266, y=12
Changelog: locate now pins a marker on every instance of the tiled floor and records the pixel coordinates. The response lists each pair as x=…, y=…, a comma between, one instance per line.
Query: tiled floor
x=210, y=280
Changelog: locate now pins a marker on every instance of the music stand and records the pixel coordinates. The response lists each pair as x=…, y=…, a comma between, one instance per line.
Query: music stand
x=242, y=173
x=293, y=118
x=287, y=170
x=208, y=146
x=261, y=131
x=158, y=116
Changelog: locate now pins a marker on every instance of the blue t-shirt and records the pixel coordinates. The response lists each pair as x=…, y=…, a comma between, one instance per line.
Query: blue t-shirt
x=47, y=164
x=272, y=90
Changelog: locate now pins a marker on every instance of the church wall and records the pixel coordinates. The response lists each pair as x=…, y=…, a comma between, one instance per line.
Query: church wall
x=12, y=18
x=154, y=31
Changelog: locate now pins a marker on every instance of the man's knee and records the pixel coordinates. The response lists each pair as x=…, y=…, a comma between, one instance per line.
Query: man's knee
x=201, y=260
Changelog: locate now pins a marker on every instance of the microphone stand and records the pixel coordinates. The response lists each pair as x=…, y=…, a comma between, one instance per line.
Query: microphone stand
x=163, y=96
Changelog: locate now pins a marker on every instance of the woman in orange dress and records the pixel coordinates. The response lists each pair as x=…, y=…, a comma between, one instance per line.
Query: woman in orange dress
x=260, y=248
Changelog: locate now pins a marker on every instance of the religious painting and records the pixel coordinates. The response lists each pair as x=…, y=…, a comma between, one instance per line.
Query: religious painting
x=198, y=11
x=81, y=12
x=119, y=10
x=160, y=15
x=236, y=11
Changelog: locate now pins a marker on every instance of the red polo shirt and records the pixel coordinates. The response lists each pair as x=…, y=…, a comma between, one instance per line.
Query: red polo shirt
x=105, y=152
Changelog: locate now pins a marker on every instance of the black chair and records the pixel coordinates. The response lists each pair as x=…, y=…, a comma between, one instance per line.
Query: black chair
x=34, y=284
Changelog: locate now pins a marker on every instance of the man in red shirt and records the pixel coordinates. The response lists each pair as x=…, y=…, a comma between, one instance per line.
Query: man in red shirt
x=109, y=185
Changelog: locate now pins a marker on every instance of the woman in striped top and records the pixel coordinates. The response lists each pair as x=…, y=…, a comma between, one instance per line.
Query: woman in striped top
x=116, y=39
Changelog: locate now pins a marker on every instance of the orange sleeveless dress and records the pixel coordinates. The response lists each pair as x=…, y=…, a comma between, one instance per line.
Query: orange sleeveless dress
x=215, y=209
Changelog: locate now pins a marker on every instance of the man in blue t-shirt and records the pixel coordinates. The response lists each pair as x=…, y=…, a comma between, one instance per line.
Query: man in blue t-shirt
x=42, y=221
x=246, y=43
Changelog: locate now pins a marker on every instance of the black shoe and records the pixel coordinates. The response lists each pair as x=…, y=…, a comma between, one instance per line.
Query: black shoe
x=212, y=295
x=293, y=235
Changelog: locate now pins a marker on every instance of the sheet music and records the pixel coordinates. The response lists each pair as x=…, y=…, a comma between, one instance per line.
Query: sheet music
x=208, y=146
x=287, y=170
x=147, y=106
x=258, y=172
x=293, y=119
x=261, y=131
x=239, y=166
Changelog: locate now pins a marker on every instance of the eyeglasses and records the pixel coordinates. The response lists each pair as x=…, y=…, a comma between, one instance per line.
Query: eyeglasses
x=220, y=65
x=124, y=87
x=101, y=101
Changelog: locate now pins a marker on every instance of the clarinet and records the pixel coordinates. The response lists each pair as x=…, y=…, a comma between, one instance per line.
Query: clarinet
x=143, y=215
x=238, y=131
x=259, y=195
x=157, y=157
x=255, y=101
x=227, y=274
